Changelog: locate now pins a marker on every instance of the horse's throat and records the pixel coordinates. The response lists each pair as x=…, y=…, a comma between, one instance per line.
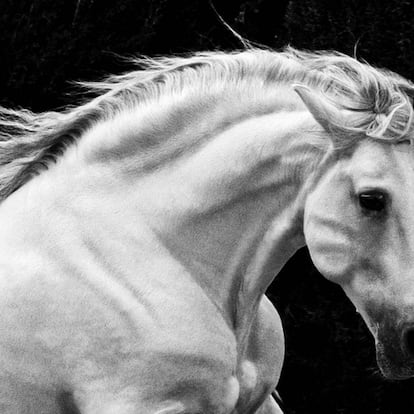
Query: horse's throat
x=257, y=261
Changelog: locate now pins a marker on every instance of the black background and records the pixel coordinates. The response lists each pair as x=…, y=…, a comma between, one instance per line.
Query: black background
x=330, y=364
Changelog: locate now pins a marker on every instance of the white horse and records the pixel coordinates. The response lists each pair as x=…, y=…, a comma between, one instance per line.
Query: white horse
x=139, y=231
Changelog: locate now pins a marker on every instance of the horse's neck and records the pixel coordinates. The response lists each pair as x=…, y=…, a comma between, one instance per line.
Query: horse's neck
x=231, y=212
x=228, y=212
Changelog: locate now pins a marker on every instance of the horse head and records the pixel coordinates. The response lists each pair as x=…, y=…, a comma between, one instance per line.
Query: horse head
x=359, y=222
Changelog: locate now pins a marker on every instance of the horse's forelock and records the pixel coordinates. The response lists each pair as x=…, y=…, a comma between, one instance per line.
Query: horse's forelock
x=378, y=102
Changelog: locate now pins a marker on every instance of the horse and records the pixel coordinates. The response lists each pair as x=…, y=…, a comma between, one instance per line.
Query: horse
x=141, y=228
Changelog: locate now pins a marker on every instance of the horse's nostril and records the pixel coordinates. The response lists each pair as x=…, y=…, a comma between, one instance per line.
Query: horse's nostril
x=409, y=341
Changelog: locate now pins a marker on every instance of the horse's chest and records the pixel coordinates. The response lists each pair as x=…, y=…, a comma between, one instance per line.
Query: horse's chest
x=261, y=362
x=217, y=379
x=222, y=375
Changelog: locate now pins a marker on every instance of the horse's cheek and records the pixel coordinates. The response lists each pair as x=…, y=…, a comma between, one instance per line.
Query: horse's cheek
x=332, y=264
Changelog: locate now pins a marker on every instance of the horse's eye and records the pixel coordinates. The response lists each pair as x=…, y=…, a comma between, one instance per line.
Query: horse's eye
x=373, y=201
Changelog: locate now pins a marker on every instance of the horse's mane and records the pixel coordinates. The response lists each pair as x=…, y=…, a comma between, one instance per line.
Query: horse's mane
x=380, y=100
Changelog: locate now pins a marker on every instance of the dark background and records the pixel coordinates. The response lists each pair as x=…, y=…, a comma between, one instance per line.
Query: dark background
x=330, y=363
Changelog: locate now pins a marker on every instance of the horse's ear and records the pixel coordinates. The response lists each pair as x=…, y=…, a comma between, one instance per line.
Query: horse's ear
x=324, y=113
